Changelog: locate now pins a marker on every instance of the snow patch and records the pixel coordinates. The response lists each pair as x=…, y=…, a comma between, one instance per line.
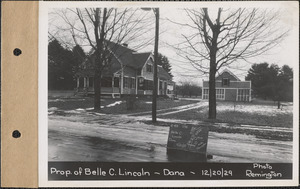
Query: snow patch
x=95, y=113
x=56, y=100
x=261, y=109
x=52, y=109
x=80, y=109
x=72, y=111
x=148, y=102
x=114, y=104
x=185, y=108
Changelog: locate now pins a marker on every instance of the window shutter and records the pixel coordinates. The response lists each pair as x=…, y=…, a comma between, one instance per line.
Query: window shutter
x=228, y=82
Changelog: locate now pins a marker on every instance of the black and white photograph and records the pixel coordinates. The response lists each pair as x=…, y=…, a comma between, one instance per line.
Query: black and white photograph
x=158, y=91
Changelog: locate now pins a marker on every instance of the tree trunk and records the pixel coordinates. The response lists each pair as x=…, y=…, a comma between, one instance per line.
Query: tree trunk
x=97, y=89
x=212, y=112
x=213, y=48
x=278, y=104
x=99, y=56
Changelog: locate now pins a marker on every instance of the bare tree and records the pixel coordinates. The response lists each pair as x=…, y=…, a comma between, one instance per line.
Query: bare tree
x=237, y=34
x=97, y=28
x=188, y=89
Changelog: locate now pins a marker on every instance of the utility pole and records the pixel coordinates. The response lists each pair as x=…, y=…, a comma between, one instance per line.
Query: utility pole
x=155, y=79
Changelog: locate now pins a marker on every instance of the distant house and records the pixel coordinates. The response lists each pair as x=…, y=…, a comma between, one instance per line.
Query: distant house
x=229, y=87
x=129, y=73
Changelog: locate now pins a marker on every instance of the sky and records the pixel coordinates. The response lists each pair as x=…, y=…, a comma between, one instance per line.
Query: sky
x=285, y=52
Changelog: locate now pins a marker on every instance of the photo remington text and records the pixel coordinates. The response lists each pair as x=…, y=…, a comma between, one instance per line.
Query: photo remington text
x=262, y=171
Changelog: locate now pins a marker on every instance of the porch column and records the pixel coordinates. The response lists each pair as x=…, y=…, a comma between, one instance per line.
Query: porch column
x=84, y=82
x=136, y=85
x=166, y=87
x=174, y=89
x=250, y=93
x=202, y=89
x=77, y=82
x=112, y=83
x=121, y=82
x=163, y=88
x=158, y=86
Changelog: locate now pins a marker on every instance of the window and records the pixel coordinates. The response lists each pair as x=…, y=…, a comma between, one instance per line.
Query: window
x=205, y=93
x=132, y=83
x=148, y=85
x=116, y=82
x=145, y=84
x=243, y=95
x=81, y=81
x=126, y=82
x=149, y=68
x=129, y=82
x=225, y=82
x=141, y=83
x=220, y=94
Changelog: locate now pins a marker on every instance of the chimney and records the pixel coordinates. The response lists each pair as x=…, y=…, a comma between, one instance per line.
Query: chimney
x=125, y=44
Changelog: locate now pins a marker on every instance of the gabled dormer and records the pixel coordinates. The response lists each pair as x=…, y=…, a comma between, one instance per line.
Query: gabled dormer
x=226, y=77
x=143, y=63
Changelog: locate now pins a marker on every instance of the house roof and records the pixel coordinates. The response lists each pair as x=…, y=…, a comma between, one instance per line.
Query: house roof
x=139, y=59
x=122, y=56
x=163, y=74
x=89, y=67
x=121, y=53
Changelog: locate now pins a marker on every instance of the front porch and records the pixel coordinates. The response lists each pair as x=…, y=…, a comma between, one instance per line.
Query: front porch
x=109, y=86
x=117, y=86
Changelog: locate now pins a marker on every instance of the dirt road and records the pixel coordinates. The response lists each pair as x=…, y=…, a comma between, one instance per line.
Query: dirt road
x=86, y=136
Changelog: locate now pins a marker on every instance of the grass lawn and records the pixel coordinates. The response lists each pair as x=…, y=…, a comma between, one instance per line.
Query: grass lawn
x=75, y=103
x=113, y=106
x=242, y=113
x=146, y=105
x=255, y=113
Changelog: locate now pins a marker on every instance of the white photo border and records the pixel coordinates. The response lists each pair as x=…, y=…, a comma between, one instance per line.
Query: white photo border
x=43, y=101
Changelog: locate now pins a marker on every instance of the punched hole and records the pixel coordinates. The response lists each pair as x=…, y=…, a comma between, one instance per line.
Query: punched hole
x=16, y=134
x=17, y=51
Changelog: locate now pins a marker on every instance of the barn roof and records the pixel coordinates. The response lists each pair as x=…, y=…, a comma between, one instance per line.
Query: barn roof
x=228, y=71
